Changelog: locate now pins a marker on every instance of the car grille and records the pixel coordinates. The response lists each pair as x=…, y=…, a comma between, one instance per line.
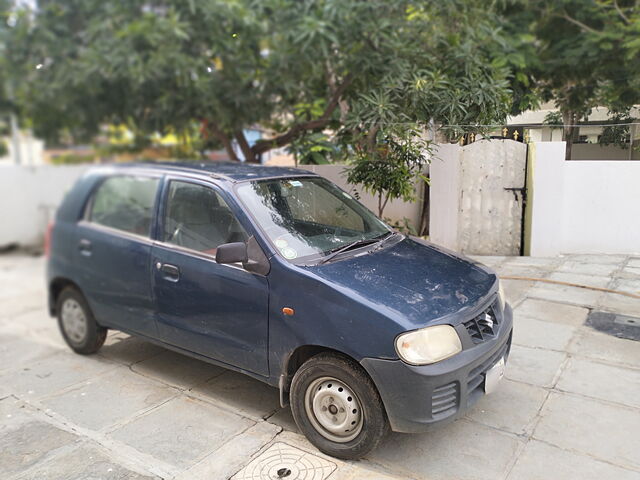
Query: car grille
x=444, y=400
x=483, y=326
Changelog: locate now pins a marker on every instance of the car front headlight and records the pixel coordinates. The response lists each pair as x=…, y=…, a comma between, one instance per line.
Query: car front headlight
x=501, y=297
x=428, y=345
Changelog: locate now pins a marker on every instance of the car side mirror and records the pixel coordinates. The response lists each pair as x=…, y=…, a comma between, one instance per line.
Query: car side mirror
x=235, y=252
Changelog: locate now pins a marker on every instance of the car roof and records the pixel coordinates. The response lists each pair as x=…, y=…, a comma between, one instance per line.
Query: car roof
x=232, y=171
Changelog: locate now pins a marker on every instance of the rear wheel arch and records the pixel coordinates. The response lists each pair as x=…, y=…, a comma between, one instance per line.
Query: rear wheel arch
x=56, y=286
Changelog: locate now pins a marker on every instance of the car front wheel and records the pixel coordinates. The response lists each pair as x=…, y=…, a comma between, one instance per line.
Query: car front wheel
x=336, y=405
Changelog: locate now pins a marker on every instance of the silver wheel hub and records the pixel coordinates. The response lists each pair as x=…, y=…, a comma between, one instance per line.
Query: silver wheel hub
x=333, y=409
x=74, y=320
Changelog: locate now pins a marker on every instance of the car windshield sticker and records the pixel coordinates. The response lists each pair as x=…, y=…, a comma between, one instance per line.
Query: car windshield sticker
x=281, y=243
x=295, y=183
x=289, y=253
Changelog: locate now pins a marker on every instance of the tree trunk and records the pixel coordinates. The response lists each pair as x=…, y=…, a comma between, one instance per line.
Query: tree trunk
x=217, y=132
x=568, y=131
x=382, y=204
x=249, y=155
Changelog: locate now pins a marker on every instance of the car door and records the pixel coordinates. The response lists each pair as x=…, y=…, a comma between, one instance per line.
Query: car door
x=216, y=310
x=113, y=252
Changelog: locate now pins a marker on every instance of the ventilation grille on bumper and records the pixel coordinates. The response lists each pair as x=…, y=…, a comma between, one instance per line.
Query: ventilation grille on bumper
x=444, y=399
x=482, y=327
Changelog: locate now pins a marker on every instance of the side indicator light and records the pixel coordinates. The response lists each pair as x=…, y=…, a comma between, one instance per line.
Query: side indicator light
x=288, y=311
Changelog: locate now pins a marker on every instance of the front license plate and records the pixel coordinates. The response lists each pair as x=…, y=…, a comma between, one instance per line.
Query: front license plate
x=493, y=376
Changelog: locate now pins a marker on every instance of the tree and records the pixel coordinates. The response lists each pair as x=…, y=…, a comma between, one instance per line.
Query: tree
x=369, y=67
x=587, y=54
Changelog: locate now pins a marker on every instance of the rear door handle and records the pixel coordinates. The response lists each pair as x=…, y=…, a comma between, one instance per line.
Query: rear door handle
x=168, y=271
x=85, y=247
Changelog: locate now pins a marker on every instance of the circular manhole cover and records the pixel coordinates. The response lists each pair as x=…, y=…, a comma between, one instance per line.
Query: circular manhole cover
x=282, y=461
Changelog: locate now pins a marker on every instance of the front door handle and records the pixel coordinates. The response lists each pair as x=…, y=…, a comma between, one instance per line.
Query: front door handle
x=168, y=271
x=84, y=246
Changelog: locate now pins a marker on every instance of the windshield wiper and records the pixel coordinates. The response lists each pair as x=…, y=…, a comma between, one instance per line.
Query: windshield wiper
x=349, y=246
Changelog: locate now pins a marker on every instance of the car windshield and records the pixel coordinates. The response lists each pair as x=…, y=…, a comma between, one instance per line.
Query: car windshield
x=309, y=218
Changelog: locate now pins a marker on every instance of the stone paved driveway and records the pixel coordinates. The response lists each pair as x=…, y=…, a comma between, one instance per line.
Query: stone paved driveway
x=568, y=409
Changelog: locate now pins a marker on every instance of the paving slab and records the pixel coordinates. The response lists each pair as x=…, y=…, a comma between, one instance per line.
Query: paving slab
x=363, y=470
x=581, y=279
x=241, y=393
x=572, y=295
x=53, y=373
x=30, y=443
x=515, y=290
x=488, y=260
x=13, y=412
x=86, y=462
x=109, y=399
x=16, y=351
x=233, y=455
x=627, y=285
x=612, y=302
x=533, y=365
x=605, y=382
x=600, y=259
x=284, y=419
x=529, y=332
x=540, y=262
x=629, y=272
x=604, y=431
x=599, y=346
x=589, y=268
x=512, y=408
x=540, y=461
x=177, y=370
x=182, y=431
x=552, y=312
x=523, y=271
x=128, y=350
x=462, y=450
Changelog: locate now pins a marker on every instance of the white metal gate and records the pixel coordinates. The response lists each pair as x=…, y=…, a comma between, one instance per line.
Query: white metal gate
x=492, y=180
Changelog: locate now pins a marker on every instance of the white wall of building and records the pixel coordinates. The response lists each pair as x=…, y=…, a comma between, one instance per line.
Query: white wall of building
x=583, y=206
x=31, y=150
x=28, y=199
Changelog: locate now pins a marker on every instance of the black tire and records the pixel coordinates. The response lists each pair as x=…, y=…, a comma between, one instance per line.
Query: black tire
x=94, y=335
x=316, y=373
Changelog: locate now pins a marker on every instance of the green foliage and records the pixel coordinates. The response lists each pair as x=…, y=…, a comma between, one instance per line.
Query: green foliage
x=294, y=66
x=72, y=159
x=313, y=148
x=4, y=150
x=579, y=54
x=553, y=119
x=618, y=134
x=389, y=170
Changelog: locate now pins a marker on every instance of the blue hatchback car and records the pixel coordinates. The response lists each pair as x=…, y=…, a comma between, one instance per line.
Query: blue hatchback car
x=279, y=274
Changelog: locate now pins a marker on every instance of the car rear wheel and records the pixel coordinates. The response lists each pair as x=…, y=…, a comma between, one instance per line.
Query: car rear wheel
x=336, y=405
x=79, y=328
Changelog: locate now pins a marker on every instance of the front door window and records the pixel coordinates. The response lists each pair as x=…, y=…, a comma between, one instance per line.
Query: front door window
x=197, y=218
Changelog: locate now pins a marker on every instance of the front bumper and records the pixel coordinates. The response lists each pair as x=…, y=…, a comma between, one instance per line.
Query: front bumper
x=418, y=397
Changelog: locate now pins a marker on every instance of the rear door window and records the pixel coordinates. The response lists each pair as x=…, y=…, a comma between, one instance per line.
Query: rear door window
x=125, y=203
